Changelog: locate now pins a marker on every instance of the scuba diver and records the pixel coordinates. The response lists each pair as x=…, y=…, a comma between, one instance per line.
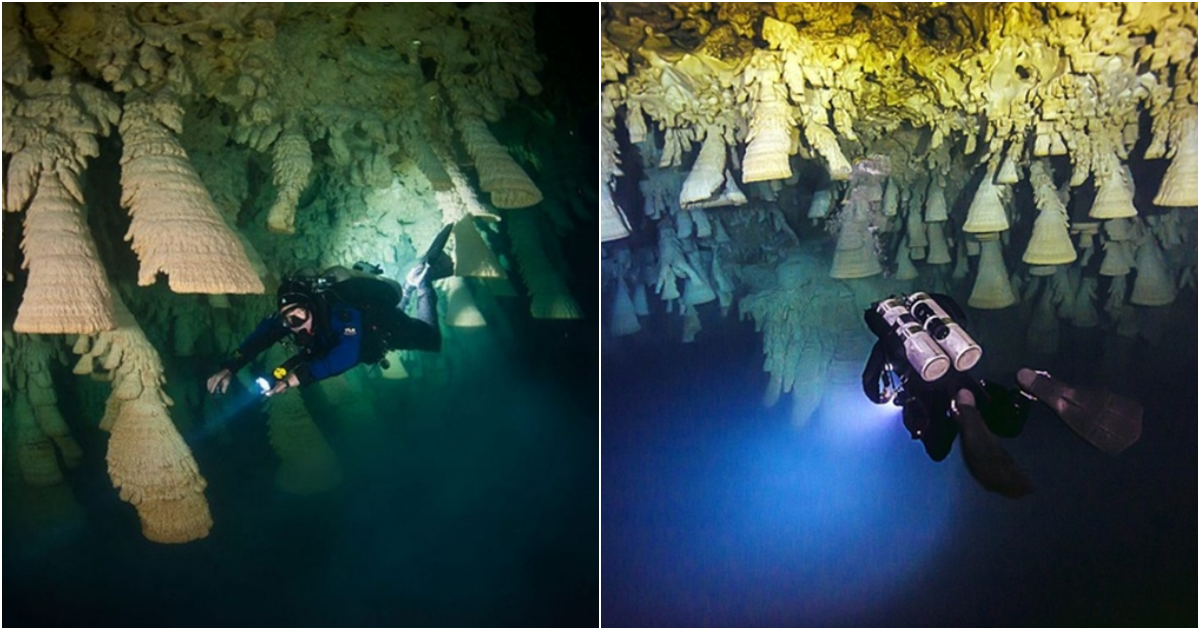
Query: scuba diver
x=344, y=317
x=922, y=361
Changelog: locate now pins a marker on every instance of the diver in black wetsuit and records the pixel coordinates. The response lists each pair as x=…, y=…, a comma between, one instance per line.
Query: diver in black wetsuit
x=922, y=362
x=341, y=318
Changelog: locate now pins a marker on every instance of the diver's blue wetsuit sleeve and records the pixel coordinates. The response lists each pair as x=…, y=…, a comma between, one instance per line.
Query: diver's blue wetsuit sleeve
x=268, y=332
x=343, y=355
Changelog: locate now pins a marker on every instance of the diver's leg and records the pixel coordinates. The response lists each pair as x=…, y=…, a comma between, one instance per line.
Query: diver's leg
x=417, y=333
x=987, y=461
x=1107, y=421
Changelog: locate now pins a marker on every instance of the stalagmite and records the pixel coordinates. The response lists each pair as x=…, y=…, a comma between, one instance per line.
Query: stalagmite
x=176, y=227
x=905, y=270
x=992, y=289
x=935, y=202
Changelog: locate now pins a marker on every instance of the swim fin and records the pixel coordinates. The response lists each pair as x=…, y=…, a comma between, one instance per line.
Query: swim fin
x=440, y=265
x=1105, y=420
x=986, y=460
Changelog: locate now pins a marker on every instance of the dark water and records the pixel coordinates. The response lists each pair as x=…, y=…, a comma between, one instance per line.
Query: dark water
x=718, y=512
x=470, y=503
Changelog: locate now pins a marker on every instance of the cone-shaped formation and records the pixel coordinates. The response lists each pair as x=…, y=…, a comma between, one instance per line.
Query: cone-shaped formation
x=1114, y=192
x=147, y=459
x=939, y=247
x=1153, y=285
x=1050, y=243
x=986, y=213
x=67, y=290
x=472, y=256
x=35, y=451
x=769, y=144
x=624, y=312
x=855, y=256
x=461, y=311
x=306, y=463
x=1083, y=311
x=1118, y=260
x=992, y=289
x=550, y=297
x=708, y=173
x=935, y=202
x=499, y=174
x=905, y=270
x=176, y=228
x=1178, y=188
x=822, y=201
x=290, y=165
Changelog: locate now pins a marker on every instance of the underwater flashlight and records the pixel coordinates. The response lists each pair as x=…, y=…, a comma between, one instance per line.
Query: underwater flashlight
x=263, y=384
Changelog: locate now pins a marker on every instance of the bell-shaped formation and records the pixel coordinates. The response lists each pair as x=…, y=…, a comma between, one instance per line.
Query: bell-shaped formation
x=472, y=257
x=176, y=227
x=769, y=144
x=147, y=458
x=939, y=247
x=935, y=202
x=624, y=312
x=1178, y=188
x=855, y=256
x=986, y=213
x=905, y=269
x=67, y=291
x=708, y=173
x=551, y=299
x=1114, y=192
x=992, y=289
x=822, y=201
x=1118, y=260
x=461, y=311
x=1153, y=285
x=1050, y=243
x=306, y=463
x=499, y=174
x=613, y=224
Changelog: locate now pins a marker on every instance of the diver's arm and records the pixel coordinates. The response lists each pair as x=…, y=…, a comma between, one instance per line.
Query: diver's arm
x=267, y=334
x=873, y=371
x=341, y=357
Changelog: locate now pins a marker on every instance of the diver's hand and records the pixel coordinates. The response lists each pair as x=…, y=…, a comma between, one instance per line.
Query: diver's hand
x=283, y=384
x=218, y=383
x=417, y=274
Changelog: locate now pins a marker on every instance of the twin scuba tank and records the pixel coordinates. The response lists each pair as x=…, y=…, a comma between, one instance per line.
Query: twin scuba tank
x=931, y=339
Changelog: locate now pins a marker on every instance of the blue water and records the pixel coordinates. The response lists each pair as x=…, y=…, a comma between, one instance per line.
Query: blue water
x=718, y=512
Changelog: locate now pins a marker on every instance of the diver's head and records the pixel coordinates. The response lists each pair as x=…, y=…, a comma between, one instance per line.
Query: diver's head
x=295, y=303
